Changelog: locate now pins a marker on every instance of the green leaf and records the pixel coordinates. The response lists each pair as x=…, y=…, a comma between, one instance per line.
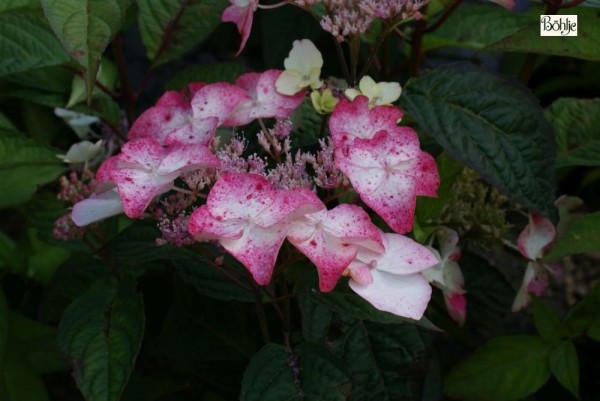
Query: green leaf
x=547, y=321
x=491, y=124
x=170, y=28
x=107, y=76
x=8, y=5
x=36, y=342
x=24, y=165
x=309, y=372
x=576, y=122
x=85, y=28
x=581, y=237
x=384, y=360
x=214, y=331
x=207, y=280
x=586, y=45
x=5, y=123
x=565, y=366
x=476, y=26
x=217, y=72
x=428, y=208
x=136, y=246
x=71, y=280
x=489, y=295
x=506, y=368
x=101, y=333
x=21, y=381
x=4, y=319
x=26, y=42
x=584, y=316
x=316, y=319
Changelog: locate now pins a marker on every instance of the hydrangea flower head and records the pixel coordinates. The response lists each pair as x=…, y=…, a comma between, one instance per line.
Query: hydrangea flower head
x=302, y=68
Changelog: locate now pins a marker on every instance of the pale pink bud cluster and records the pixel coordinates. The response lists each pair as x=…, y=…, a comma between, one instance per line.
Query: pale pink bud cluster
x=391, y=10
x=347, y=19
x=74, y=189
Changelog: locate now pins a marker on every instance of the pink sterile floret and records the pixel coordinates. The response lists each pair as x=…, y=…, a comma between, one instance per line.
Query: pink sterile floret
x=265, y=101
x=392, y=281
x=331, y=239
x=249, y=218
x=172, y=117
x=351, y=120
x=388, y=172
x=146, y=169
x=536, y=236
x=241, y=12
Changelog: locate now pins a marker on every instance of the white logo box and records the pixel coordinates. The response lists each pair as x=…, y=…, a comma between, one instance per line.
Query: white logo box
x=558, y=25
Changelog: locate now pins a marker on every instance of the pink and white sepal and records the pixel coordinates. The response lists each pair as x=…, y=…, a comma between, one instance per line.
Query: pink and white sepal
x=393, y=281
x=249, y=218
x=446, y=274
x=533, y=243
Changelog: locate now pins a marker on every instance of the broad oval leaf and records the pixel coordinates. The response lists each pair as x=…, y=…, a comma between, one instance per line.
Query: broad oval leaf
x=24, y=165
x=384, y=360
x=85, y=28
x=565, y=366
x=586, y=45
x=169, y=28
x=581, y=237
x=476, y=26
x=309, y=372
x=576, y=122
x=101, y=333
x=26, y=43
x=505, y=369
x=491, y=124
x=547, y=322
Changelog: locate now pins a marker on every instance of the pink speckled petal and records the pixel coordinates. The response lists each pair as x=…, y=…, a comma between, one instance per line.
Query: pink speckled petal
x=406, y=295
x=96, y=208
x=137, y=188
x=240, y=195
x=145, y=152
x=428, y=177
x=242, y=16
x=183, y=158
x=171, y=113
x=330, y=255
x=456, y=305
x=290, y=204
x=394, y=201
x=266, y=101
x=257, y=249
x=351, y=120
x=104, y=181
x=201, y=131
x=353, y=225
x=536, y=236
x=203, y=226
x=404, y=256
x=217, y=100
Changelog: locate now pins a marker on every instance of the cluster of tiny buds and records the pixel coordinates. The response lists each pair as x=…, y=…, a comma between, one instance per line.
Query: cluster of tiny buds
x=349, y=18
x=74, y=189
x=346, y=19
x=390, y=10
x=65, y=230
